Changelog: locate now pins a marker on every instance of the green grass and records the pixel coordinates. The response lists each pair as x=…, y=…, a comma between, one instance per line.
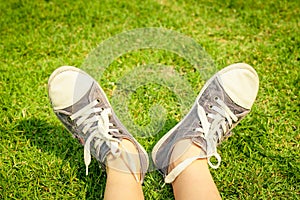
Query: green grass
x=39, y=159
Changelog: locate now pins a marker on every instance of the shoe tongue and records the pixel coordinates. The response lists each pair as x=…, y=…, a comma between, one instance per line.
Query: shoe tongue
x=200, y=142
x=68, y=88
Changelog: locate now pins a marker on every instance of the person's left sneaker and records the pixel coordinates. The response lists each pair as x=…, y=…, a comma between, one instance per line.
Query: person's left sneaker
x=82, y=106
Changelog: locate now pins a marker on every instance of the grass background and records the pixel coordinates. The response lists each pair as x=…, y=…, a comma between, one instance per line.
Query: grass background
x=39, y=160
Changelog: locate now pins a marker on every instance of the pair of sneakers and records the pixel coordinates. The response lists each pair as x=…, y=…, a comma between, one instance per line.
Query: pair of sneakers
x=82, y=106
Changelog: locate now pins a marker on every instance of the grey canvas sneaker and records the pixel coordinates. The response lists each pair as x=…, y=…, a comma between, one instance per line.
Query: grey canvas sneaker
x=224, y=100
x=82, y=106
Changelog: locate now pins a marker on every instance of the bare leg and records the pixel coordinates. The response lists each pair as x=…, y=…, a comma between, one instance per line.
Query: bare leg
x=195, y=182
x=122, y=184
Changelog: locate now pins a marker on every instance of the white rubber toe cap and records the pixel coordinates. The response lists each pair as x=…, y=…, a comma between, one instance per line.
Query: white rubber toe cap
x=240, y=82
x=62, y=84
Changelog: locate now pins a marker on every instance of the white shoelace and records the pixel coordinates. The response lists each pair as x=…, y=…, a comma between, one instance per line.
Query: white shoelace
x=100, y=132
x=211, y=133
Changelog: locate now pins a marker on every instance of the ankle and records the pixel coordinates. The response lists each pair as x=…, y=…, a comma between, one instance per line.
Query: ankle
x=183, y=150
x=128, y=162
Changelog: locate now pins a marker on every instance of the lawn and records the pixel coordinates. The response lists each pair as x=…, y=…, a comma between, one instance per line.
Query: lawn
x=40, y=160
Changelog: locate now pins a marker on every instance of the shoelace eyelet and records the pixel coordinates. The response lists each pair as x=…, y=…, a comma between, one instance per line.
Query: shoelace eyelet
x=216, y=98
x=69, y=119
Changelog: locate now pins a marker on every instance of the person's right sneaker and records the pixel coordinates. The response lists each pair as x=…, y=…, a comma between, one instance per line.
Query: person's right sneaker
x=224, y=100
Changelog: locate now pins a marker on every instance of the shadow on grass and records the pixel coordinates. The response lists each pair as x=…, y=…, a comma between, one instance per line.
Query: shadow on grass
x=57, y=141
